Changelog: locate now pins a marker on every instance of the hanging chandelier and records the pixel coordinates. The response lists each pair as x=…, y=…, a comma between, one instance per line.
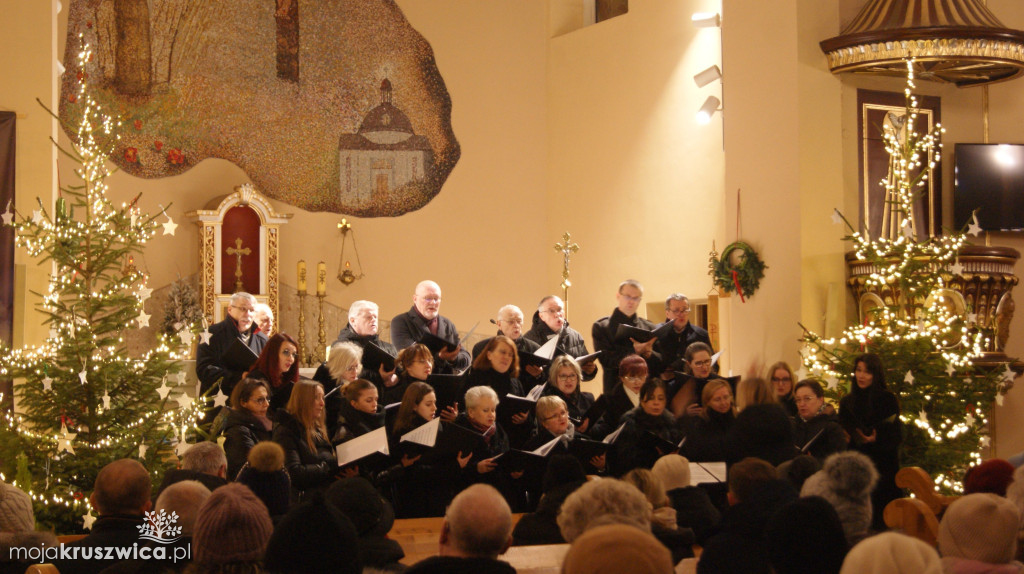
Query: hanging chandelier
x=953, y=41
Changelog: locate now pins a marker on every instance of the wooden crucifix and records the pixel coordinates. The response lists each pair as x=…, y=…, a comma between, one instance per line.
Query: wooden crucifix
x=238, y=252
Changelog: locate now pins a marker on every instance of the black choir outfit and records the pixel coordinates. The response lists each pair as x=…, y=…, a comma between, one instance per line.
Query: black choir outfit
x=503, y=384
x=425, y=487
x=706, y=437
x=242, y=430
x=407, y=328
x=309, y=469
x=209, y=364
x=672, y=344
x=278, y=396
x=629, y=450
x=612, y=351
x=523, y=345
x=570, y=340
x=495, y=442
x=875, y=410
x=369, y=372
x=619, y=404
x=578, y=403
x=831, y=440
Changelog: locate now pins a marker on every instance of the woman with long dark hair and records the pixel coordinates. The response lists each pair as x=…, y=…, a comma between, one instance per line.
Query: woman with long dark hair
x=870, y=414
x=246, y=422
x=278, y=364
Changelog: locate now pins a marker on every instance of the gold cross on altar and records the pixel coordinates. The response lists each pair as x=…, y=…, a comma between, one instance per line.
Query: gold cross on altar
x=238, y=252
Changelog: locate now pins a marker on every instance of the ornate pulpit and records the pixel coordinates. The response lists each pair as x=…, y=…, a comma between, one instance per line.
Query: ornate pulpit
x=238, y=239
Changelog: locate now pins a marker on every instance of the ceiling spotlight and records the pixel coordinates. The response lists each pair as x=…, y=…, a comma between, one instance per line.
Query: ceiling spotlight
x=706, y=19
x=708, y=109
x=707, y=76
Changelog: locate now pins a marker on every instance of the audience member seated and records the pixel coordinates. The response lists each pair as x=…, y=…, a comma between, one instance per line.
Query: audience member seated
x=425, y=317
x=762, y=431
x=679, y=541
x=372, y=518
x=781, y=377
x=806, y=537
x=121, y=497
x=246, y=422
x=755, y=494
x=614, y=350
x=278, y=364
x=798, y=469
x=564, y=378
x=302, y=433
x=563, y=476
x=707, y=431
x=17, y=529
x=497, y=367
x=754, y=392
x=617, y=548
x=846, y=480
x=693, y=507
x=632, y=449
x=978, y=533
x=414, y=364
x=264, y=473
x=993, y=475
x=549, y=321
x=632, y=374
x=313, y=538
x=183, y=500
x=603, y=501
x=892, y=553
x=816, y=431
x=688, y=398
x=477, y=529
x=510, y=324
x=239, y=324
x=362, y=330
x=204, y=461
x=231, y=532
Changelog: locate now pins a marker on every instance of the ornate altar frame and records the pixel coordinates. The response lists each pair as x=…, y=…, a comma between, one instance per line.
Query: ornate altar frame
x=213, y=295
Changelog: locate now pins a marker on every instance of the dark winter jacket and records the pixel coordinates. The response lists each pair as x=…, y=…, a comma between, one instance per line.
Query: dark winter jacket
x=695, y=511
x=739, y=547
x=706, y=437
x=242, y=430
x=612, y=351
x=308, y=468
x=209, y=363
x=407, y=328
x=763, y=431
x=370, y=370
x=570, y=340
x=630, y=450
x=830, y=440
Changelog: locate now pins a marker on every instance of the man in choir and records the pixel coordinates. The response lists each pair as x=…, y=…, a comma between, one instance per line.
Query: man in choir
x=239, y=324
x=549, y=321
x=362, y=330
x=673, y=343
x=510, y=324
x=614, y=350
x=264, y=318
x=425, y=317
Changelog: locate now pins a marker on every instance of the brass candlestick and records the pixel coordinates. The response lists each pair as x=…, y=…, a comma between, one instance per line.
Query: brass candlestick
x=302, y=329
x=321, y=353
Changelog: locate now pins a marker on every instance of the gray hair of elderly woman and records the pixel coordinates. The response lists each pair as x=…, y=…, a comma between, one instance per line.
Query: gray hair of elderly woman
x=343, y=355
x=603, y=501
x=474, y=394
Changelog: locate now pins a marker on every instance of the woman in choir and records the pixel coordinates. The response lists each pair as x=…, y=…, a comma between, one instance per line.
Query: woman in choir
x=631, y=450
x=698, y=366
x=414, y=363
x=754, y=392
x=246, y=422
x=782, y=379
x=870, y=414
x=497, y=367
x=302, y=433
x=815, y=431
x=564, y=378
x=278, y=364
x=706, y=435
x=624, y=397
x=360, y=413
x=342, y=367
x=481, y=416
x=553, y=420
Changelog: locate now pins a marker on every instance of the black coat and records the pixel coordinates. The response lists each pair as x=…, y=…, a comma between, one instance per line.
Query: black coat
x=629, y=449
x=523, y=345
x=618, y=405
x=503, y=384
x=395, y=393
x=541, y=526
x=706, y=437
x=121, y=530
x=570, y=340
x=423, y=488
x=694, y=510
x=209, y=365
x=307, y=468
x=577, y=403
x=407, y=328
x=510, y=488
x=612, y=351
x=673, y=345
x=242, y=430
x=831, y=439
x=877, y=410
x=740, y=546
x=370, y=372
x=353, y=423
x=455, y=565
x=763, y=431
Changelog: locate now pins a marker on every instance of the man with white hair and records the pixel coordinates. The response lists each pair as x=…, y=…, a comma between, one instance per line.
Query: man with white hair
x=549, y=321
x=264, y=318
x=362, y=330
x=425, y=317
x=240, y=324
x=510, y=324
x=477, y=529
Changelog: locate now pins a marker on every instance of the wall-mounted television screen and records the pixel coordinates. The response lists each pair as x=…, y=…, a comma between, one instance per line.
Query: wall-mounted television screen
x=989, y=178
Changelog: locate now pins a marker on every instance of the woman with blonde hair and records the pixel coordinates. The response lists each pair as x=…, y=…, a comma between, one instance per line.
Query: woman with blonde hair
x=663, y=515
x=754, y=392
x=564, y=378
x=302, y=433
x=782, y=381
x=341, y=368
x=706, y=436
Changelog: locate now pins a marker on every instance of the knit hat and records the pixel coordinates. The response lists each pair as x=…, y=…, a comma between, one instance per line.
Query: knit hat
x=993, y=475
x=358, y=500
x=806, y=536
x=982, y=527
x=799, y=469
x=673, y=471
x=15, y=509
x=892, y=553
x=314, y=537
x=846, y=481
x=562, y=469
x=233, y=526
x=617, y=548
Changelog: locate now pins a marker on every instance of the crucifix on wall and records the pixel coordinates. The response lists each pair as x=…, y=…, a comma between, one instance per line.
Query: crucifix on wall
x=238, y=252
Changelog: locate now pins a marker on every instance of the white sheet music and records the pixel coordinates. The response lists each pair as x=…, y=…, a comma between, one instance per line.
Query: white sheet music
x=547, y=350
x=706, y=472
x=610, y=439
x=536, y=391
x=714, y=358
x=545, y=448
x=426, y=434
x=367, y=444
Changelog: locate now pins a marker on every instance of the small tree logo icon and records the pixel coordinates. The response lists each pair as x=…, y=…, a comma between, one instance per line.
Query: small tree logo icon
x=159, y=527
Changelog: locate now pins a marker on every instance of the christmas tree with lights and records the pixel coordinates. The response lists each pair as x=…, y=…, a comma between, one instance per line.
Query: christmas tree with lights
x=929, y=347
x=82, y=400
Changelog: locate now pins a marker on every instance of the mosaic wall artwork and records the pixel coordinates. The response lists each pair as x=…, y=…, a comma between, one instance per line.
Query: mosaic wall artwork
x=327, y=105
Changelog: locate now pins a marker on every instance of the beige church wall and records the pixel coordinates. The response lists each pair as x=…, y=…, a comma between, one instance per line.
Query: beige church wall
x=631, y=175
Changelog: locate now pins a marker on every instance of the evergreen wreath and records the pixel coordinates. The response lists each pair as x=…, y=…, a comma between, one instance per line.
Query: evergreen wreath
x=746, y=273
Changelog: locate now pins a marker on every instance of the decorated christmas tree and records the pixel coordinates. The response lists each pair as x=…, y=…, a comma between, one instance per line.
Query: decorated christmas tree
x=930, y=348
x=82, y=400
